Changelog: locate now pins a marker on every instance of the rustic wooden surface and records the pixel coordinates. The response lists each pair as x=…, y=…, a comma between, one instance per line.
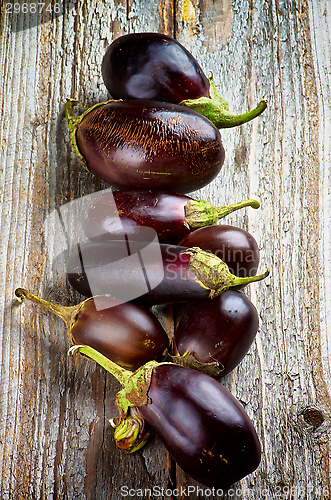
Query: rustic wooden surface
x=55, y=439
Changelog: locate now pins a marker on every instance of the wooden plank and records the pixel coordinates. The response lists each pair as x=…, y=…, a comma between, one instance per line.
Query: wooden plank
x=55, y=438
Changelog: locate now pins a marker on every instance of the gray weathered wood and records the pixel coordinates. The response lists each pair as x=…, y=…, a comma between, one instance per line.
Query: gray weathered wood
x=55, y=439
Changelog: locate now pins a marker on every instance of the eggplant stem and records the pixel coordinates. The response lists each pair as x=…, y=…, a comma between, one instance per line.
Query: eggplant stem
x=213, y=273
x=121, y=374
x=226, y=210
x=73, y=123
x=70, y=116
x=216, y=109
x=228, y=120
x=250, y=279
x=135, y=385
x=67, y=313
x=199, y=213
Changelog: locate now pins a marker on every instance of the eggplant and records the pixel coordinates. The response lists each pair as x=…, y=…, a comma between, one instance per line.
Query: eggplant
x=126, y=333
x=156, y=273
x=204, y=428
x=154, y=66
x=171, y=215
x=233, y=245
x=218, y=331
x=147, y=145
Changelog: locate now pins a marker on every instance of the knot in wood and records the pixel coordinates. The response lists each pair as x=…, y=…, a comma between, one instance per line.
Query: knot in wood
x=313, y=416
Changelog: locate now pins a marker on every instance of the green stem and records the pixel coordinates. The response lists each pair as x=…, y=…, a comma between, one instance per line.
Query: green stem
x=200, y=213
x=231, y=281
x=226, y=210
x=66, y=313
x=135, y=385
x=216, y=109
x=237, y=281
x=214, y=274
x=228, y=120
x=73, y=122
x=71, y=118
x=121, y=374
x=131, y=433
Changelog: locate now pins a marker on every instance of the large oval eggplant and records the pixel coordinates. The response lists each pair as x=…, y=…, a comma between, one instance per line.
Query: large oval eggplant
x=126, y=333
x=220, y=330
x=202, y=425
x=205, y=429
x=152, y=273
x=171, y=215
x=154, y=66
x=147, y=145
x=237, y=247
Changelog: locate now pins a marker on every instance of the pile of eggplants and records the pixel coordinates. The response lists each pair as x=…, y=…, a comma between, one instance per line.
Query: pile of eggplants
x=154, y=141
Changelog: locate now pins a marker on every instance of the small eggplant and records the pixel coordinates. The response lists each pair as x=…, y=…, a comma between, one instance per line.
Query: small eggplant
x=171, y=215
x=127, y=334
x=156, y=67
x=157, y=273
x=147, y=145
x=220, y=330
x=204, y=428
x=233, y=245
x=152, y=66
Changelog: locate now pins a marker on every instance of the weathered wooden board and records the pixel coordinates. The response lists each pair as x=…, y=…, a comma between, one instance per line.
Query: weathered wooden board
x=55, y=439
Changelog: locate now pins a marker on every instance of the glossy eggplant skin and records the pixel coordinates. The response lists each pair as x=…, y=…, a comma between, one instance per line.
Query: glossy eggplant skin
x=160, y=210
x=235, y=246
x=221, y=329
x=95, y=271
x=148, y=145
x=152, y=66
x=113, y=214
x=127, y=334
x=152, y=273
x=204, y=428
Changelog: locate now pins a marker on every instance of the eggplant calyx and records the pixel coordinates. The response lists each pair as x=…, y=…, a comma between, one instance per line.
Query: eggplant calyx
x=74, y=121
x=216, y=109
x=135, y=384
x=214, y=274
x=73, y=124
x=200, y=213
x=131, y=433
x=213, y=369
x=67, y=313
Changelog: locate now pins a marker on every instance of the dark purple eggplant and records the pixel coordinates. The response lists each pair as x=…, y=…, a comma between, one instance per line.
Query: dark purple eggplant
x=156, y=273
x=154, y=66
x=147, y=145
x=171, y=215
x=204, y=428
x=219, y=330
x=235, y=246
x=125, y=333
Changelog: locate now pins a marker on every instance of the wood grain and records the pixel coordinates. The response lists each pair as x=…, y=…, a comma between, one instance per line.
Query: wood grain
x=55, y=438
